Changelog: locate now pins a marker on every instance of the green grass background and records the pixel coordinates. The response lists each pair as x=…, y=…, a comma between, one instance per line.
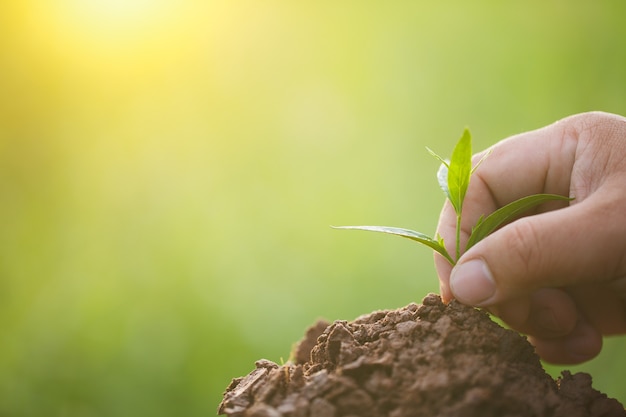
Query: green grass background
x=169, y=172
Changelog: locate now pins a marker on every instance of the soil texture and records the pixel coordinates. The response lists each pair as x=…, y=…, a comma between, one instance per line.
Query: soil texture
x=430, y=359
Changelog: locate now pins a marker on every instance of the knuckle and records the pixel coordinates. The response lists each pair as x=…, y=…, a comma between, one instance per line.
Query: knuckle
x=523, y=245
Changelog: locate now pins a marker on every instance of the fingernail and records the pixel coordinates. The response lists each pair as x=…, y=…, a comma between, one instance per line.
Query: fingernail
x=472, y=283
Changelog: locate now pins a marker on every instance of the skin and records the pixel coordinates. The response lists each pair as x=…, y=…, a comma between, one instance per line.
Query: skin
x=559, y=273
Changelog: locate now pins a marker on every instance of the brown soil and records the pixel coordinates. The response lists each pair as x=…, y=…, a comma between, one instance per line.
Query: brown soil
x=421, y=360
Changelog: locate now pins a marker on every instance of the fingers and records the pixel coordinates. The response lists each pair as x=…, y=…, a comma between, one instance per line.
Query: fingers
x=580, y=345
x=553, y=313
x=583, y=153
x=574, y=156
x=558, y=331
x=560, y=248
x=558, y=275
x=547, y=313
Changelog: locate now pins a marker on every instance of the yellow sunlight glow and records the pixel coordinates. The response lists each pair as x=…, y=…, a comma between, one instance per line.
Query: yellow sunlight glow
x=105, y=36
x=107, y=23
x=118, y=15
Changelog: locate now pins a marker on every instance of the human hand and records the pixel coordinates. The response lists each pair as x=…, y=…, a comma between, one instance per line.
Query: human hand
x=558, y=276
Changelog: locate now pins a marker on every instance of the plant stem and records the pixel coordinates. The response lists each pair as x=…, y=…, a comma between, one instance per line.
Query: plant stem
x=458, y=237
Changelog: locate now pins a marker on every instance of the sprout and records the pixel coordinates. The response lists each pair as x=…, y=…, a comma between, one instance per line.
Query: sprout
x=454, y=177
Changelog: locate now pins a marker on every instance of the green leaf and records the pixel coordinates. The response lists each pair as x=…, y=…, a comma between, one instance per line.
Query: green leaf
x=487, y=225
x=440, y=240
x=459, y=170
x=409, y=234
x=440, y=159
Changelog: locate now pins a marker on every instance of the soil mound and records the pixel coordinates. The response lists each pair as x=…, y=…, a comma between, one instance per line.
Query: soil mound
x=421, y=360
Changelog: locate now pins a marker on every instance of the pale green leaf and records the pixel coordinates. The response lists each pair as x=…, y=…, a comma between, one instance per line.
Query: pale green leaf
x=409, y=234
x=487, y=225
x=459, y=170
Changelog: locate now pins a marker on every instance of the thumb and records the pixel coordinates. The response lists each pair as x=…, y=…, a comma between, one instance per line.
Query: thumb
x=583, y=243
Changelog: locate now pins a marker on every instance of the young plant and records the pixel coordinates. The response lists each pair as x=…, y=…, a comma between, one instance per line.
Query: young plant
x=454, y=177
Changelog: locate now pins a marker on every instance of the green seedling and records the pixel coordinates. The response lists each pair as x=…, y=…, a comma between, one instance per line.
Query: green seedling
x=454, y=177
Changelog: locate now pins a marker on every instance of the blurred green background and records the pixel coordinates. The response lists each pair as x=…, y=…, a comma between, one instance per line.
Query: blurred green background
x=169, y=170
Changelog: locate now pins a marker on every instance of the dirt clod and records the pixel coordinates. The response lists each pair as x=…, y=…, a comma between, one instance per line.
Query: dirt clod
x=421, y=360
